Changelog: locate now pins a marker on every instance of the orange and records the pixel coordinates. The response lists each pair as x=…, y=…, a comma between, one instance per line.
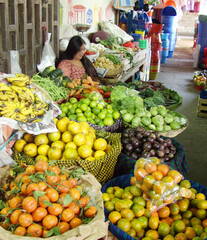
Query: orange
x=67, y=215
x=14, y=218
x=30, y=170
x=180, y=236
x=55, y=136
x=41, y=139
x=183, y=204
x=75, y=194
x=167, y=220
x=20, y=231
x=56, y=209
x=42, y=186
x=19, y=145
x=140, y=173
x=49, y=221
x=52, y=194
x=159, y=187
x=75, y=222
x=190, y=233
x=41, y=166
x=32, y=187
x=63, y=226
x=15, y=202
x=25, y=219
x=43, y=200
x=164, y=212
x=58, y=144
x=30, y=149
x=152, y=234
x=74, y=207
x=35, y=230
x=200, y=196
x=53, y=180
x=29, y=204
x=29, y=138
x=43, y=149
x=54, y=153
x=114, y=217
x=39, y=214
x=163, y=168
x=150, y=167
x=174, y=209
x=54, y=169
x=168, y=181
x=204, y=223
x=157, y=175
x=90, y=212
x=84, y=201
x=5, y=211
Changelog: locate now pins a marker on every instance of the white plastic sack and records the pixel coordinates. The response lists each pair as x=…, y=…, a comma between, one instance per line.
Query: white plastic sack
x=48, y=55
x=14, y=59
x=115, y=31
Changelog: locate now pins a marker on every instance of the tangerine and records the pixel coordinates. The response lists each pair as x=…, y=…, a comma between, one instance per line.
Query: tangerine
x=140, y=173
x=150, y=167
x=41, y=166
x=56, y=209
x=157, y=175
x=75, y=222
x=30, y=170
x=20, y=231
x=67, y=215
x=63, y=227
x=52, y=194
x=164, y=212
x=25, y=219
x=29, y=204
x=32, y=187
x=90, y=212
x=43, y=201
x=163, y=168
x=42, y=186
x=75, y=193
x=39, y=214
x=54, y=169
x=49, y=221
x=14, y=218
x=74, y=207
x=15, y=202
x=84, y=201
x=35, y=230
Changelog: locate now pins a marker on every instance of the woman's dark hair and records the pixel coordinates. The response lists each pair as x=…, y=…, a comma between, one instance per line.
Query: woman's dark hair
x=73, y=48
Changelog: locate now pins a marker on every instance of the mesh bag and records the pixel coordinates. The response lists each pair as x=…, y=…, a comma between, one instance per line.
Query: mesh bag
x=102, y=169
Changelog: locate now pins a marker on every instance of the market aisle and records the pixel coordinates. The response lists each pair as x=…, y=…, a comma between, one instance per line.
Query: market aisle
x=177, y=74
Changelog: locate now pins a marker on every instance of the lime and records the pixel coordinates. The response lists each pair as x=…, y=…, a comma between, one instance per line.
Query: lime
x=116, y=115
x=198, y=229
x=109, y=206
x=179, y=226
x=93, y=104
x=84, y=107
x=114, y=217
x=64, y=109
x=73, y=100
x=143, y=221
x=136, y=225
x=108, y=121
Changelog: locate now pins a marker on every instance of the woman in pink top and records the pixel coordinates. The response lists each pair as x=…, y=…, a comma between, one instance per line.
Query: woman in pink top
x=73, y=61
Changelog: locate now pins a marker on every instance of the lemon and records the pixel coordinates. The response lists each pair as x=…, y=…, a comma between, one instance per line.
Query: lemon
x=100, y=144
x=41, y=139
x=54, y=153
x=62, y=124
x=99, y=154
x=19, y=145
x=89, y=140
x=58, y=144
x=41, y=158
x=85, y=151
x=70, y=145
x=30, y=150
x=70, y=154
x=29, y=138
x=79, y=139
x=55, y=120
x=90, y=159
x=66, y=137
x=74, y=128
x=84, y=126
x=43, y=149
x=55, y=136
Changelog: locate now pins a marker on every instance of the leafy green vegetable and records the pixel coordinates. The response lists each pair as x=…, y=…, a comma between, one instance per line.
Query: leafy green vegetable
x=113, y=58
x=53, y=232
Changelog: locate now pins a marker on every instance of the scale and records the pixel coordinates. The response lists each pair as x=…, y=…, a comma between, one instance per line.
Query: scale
x=82, y=29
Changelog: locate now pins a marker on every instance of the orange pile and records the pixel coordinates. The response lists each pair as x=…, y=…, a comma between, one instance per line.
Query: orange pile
x=45, y=201
x=159, y=183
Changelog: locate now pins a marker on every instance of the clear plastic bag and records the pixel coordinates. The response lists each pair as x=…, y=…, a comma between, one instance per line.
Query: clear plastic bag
x=48, y=55
x=159, y=183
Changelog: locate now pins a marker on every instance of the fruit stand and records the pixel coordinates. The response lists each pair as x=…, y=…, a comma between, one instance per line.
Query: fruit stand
x=91, y=160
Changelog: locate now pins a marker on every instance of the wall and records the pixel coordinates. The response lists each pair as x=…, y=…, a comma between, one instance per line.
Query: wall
x=83, y=11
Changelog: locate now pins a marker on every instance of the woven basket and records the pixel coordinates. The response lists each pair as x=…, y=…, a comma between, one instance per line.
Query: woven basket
x=124, y=181
x=113, y=128
x=102, y=169
x=173, y=133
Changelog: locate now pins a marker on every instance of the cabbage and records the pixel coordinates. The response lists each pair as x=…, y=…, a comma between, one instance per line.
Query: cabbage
x=167, y=128
x=175, y=125
x=153, y=111
x=146, y=121
x=127, y=117
x=168, y=118
x=136, y=122
x=162, y=110
x=158, y=120
x=152, y=127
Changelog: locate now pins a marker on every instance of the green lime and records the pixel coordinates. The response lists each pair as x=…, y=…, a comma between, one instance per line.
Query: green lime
x=116, y=115
x=73, y=100
x=108, y=121
x=84, y=107
x=93, y=104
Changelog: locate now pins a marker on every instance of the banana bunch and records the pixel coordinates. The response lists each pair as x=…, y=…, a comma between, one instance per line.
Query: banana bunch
x=20, y=80
x=20, y=103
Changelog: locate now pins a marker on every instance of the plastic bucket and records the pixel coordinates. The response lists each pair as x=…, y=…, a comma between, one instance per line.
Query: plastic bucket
x=143, y=43
x=169, y=11
x=197, y=7
x=164, y=36
x=170, y=24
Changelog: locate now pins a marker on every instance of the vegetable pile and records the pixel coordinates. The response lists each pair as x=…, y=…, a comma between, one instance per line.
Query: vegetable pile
x=92, y=109
x=138, y=142
x=135, y=114
x=45, y=201
x=53, y=81
x=72, y=141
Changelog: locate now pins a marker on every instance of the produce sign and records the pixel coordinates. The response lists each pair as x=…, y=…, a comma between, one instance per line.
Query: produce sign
x=128, y=213
x=92, y=109
x=19, y=101
x=53, y=81
x=138, y=142
x=44, y=201
x=134, y=113
x=72, y=141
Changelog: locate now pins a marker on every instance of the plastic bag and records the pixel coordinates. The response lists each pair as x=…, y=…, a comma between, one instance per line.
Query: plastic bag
x=159, y=183
x=48, y=55
x=14, y=59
